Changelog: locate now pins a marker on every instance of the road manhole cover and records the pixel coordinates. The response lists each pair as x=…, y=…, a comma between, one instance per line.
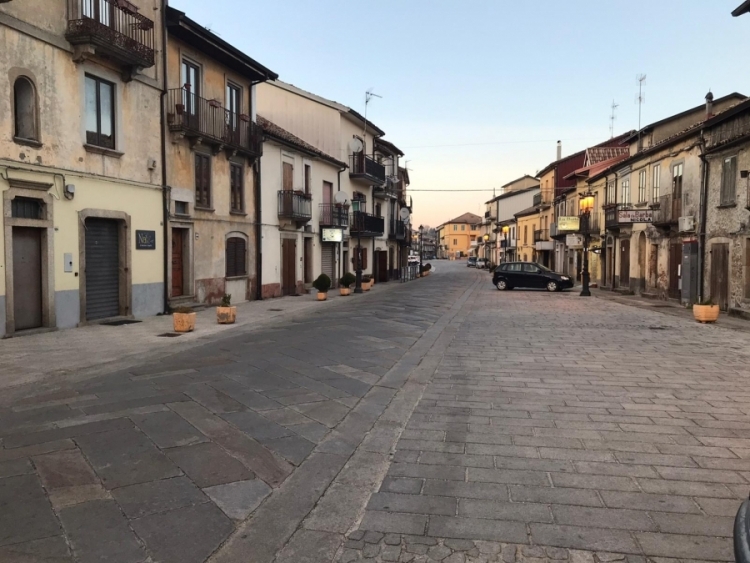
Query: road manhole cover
x=121, y=322
x=169, y=335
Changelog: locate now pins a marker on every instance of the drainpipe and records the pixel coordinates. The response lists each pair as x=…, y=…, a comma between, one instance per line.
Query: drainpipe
x=165, y=189
x=258, y=231
x=703, y=217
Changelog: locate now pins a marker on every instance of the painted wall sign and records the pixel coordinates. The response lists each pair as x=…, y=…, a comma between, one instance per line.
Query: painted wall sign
x=574, y=241
x=635, y=216
x=332, y=235
x=145, y=240
x=568, y=223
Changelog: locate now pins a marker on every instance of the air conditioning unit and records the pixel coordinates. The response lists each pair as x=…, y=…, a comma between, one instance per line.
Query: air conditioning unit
x=686, y=224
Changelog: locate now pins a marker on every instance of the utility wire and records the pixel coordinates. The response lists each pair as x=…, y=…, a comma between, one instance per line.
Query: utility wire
x=449, y=191
x=495, y=143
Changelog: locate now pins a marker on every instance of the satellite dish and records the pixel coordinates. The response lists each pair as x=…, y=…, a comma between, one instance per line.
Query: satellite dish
x=340, y=198
x=355, y=145
x=404, y=214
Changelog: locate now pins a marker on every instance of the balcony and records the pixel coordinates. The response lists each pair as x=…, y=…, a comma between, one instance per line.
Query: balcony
x=366, y=225
x=206, y=121
x=541, y=235
x=612, y=215
x=537, y=200
x=112, y=29
x=295, y=206
x=387, y=190
x=668, y=211
x=590, y=223
x=365, y=168
x=334, y=215
x=397, y=230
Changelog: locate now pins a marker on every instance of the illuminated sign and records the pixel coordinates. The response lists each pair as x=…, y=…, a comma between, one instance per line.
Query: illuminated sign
x=568, y=223
x=332, y=235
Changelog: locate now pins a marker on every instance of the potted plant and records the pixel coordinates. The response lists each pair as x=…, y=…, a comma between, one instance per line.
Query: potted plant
x=322, y=284
x=225, y=313
x=366, y=283
x=346, y=280
x=426, y=269
x=179, y=108
x=706, y=311
x=183, y=319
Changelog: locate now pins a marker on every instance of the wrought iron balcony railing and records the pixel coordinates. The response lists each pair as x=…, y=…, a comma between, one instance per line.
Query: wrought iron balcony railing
x=334, y=215
x=210, y=121
x=366, y=168
x=397, y=230
x=668, y=211
x=114, y=28
x=541, y=235
x=589, y=223
x=366, y=224
x=293, y=205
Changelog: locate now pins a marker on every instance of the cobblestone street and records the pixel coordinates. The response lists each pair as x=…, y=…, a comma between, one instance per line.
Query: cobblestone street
x=437, y=420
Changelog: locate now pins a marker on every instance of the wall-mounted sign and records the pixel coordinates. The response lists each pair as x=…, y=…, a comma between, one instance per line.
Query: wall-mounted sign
x=635, y=216
x=332, y=235
x=574, y=241
x=145, y=240
x=568, y=223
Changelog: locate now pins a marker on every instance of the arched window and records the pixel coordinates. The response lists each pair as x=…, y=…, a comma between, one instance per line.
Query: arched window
x=25, y=108
x=236, y=257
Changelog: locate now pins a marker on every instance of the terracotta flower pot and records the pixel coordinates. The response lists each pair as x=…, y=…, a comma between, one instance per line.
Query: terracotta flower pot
x=226, y=315
x=345, y=291
x=366, y=286
x=322, y=296
x=706, y=313
x=183, y=322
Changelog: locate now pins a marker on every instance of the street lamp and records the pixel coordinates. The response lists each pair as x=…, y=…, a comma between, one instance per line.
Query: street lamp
x=585, y=205
x=486, y=238
x=421, y=234
x=506, y=229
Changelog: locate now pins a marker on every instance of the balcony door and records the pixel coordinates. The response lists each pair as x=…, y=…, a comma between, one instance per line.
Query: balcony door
x=232, y=113
x=327, y=215
x=191, y=93
x=287, y=186
x=99, y=10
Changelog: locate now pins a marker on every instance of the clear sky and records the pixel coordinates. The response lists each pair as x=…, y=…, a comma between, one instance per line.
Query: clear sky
x=476, y=92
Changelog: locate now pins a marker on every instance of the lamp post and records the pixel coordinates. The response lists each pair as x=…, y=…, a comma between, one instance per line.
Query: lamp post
x=421, y=252
x=506, y=228
x=585, y=205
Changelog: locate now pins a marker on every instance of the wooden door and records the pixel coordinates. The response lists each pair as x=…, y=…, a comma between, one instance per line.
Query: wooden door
x=288, y=267
x=675, y=260
x=382, y=266
x=178, y=243
x=625, y=262
x=27, y=277
x=308, y=260
x=720, y=275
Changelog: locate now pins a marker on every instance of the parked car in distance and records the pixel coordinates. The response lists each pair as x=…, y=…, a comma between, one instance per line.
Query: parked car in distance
x=529, y=274
x=471, y=262
x=481, y=263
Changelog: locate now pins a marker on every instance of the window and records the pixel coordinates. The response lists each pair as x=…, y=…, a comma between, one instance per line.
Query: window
x=525, y=235
x=100, y=112
x=728, y=180
x=180, y=208
x=307, y=178
x=25, y=110
x=455, y=242
x=463, y=227
x=234, y=104
x=677, y=182
x=236, y=187
x=202, y=181
x=625, y=191
x=236, y=257
x=611, y=192
x=656, y=183
x=531, y=268
x=642, y=186
x=27, y=208
x=455, y=227
x=377, y=210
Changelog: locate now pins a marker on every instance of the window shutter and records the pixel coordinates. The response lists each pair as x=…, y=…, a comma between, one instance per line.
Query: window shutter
x=231, y=257
x=288, y=177
x=732, y=180
x=236, y=257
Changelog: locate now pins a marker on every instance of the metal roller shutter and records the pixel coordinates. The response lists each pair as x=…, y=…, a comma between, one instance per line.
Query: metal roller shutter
x=328, y=259
x=102, y=269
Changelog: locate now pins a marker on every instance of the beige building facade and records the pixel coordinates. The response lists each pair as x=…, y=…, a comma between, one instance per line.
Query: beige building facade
x=80, y=171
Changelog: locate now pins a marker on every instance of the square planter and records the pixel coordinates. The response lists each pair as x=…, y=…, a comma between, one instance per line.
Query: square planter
x=183, y=322
x=706, y=313
x=226, y=315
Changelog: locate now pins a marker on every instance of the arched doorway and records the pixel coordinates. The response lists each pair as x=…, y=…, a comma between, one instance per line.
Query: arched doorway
x=642, y=262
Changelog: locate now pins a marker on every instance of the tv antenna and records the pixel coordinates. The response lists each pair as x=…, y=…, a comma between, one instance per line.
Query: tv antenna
x=369, y=95
x=612, y=120
x=641, y=98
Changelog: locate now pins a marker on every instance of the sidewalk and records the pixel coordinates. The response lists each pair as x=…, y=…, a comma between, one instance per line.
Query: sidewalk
x=81, y=352
x=669, y=308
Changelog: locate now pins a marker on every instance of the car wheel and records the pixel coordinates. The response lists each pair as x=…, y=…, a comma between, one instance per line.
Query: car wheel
x=552, y=286
x=502, y=285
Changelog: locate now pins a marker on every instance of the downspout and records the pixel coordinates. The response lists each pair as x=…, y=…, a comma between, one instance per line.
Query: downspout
x=258, y=231
x=165, y=188
x=703, y=218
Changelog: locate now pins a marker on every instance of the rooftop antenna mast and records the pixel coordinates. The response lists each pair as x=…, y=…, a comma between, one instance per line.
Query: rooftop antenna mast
x=612, y=120
x=369, y=95
x=641, y=99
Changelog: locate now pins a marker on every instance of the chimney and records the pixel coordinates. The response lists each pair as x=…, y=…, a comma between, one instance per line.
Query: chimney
x=709, y=105
x=559, y=150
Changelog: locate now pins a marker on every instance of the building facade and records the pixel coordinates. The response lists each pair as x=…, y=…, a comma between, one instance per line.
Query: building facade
x=80, y=172
x=457, y=235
